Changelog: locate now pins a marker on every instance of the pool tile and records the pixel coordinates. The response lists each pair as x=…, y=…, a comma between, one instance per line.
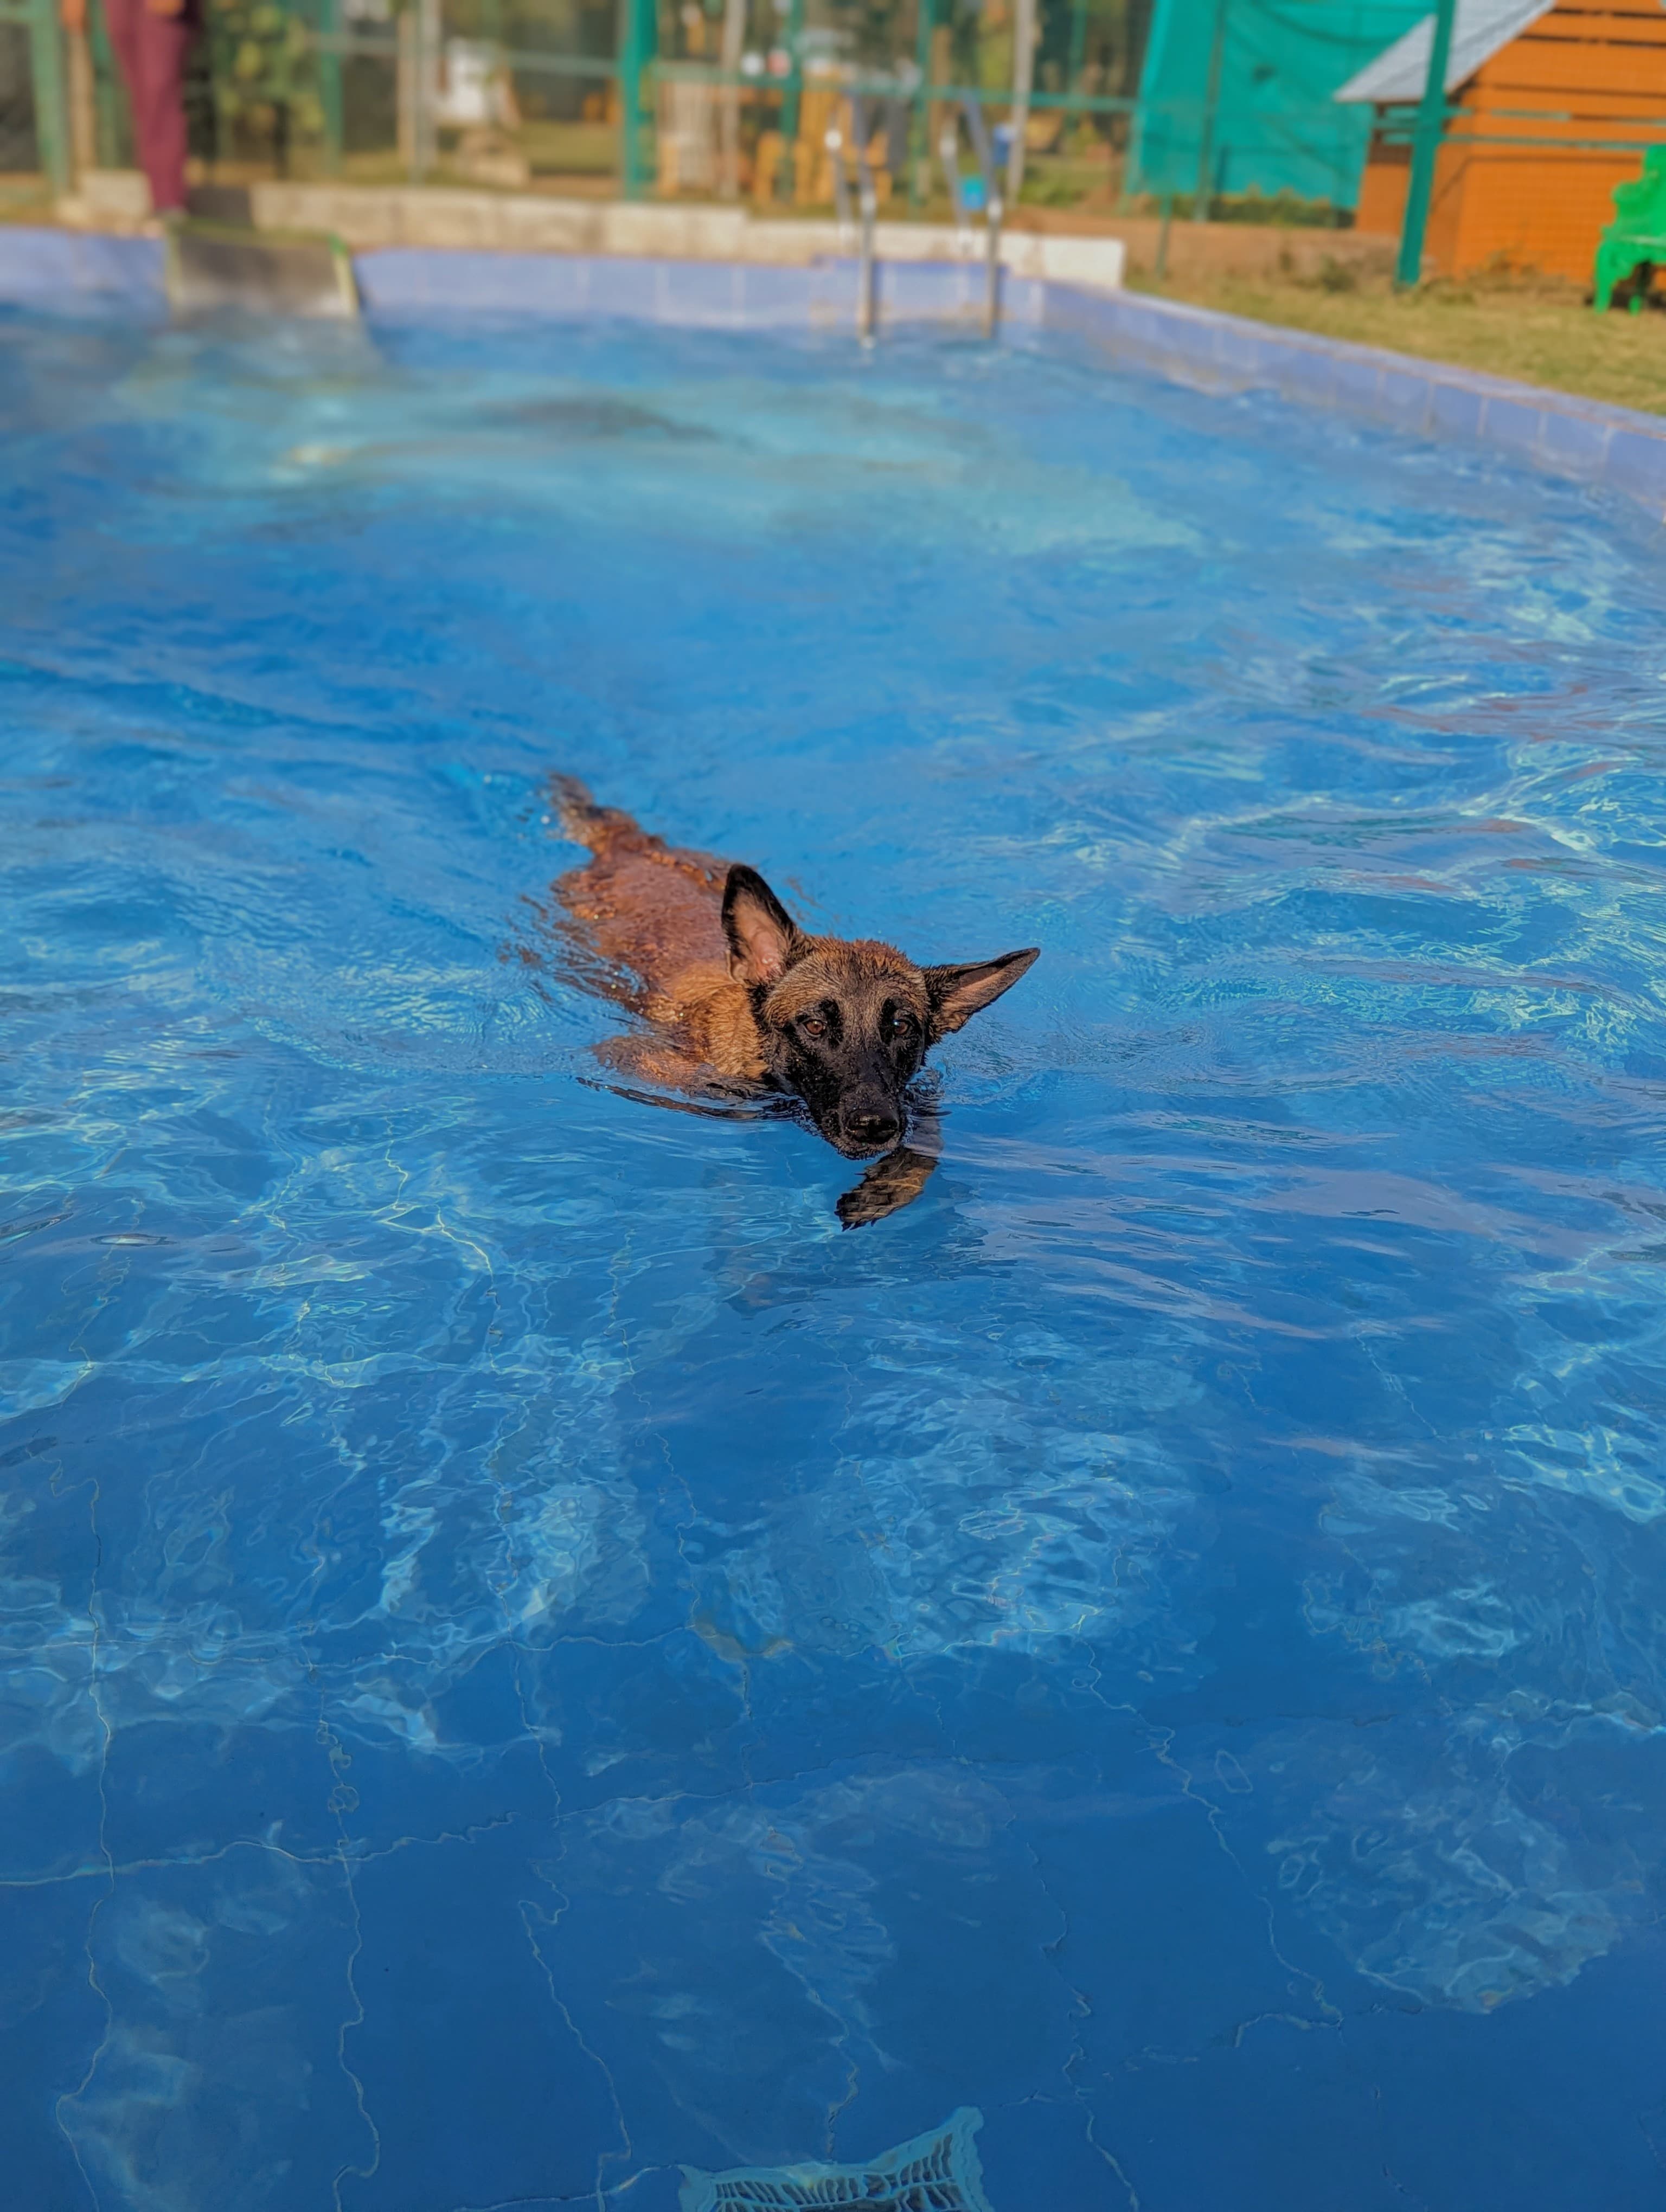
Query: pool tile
x=1455, y=409
x=1242, y=354
x=1311, y=376
x=1354, y=384
x=1635, y=463
x=1572, y=440
x=1516, y=425
x=36, y=263
x=700, y=293
x=774, y=297
x=1403, y=396
x=625, y=288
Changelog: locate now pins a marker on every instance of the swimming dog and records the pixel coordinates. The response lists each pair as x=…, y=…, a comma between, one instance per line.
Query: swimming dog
x=740, y=1001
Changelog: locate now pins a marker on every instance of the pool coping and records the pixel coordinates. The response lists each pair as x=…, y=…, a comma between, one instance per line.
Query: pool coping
x=1617, y=449
x=1620, y=448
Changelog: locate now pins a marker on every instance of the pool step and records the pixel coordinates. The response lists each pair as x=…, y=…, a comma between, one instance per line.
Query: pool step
x=210, y=270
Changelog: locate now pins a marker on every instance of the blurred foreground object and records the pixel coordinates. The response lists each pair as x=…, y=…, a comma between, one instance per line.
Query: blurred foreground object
x=209, y=271
x=1635, y=241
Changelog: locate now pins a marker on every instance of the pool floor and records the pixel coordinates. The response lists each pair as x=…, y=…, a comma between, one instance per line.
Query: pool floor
x=534, y=1659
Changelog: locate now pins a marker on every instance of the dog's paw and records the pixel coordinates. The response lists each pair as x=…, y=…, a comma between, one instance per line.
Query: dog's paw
x=890, y=1184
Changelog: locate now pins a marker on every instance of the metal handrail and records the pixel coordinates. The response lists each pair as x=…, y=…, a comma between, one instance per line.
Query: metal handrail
x=991, y=162
x=868, y=201
x=867, y=206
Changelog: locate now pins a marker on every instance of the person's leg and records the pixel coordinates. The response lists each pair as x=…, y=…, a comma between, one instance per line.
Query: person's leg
x=151, y=50
x=159, y=108
x=121, y=21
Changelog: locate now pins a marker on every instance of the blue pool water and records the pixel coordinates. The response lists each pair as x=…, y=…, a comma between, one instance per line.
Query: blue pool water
x=534, y=1659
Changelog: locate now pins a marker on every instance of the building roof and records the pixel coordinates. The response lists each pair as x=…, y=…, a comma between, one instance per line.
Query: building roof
x=1480, y=29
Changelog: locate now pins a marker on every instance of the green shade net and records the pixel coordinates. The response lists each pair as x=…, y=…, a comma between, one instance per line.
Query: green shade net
x=1277, y=127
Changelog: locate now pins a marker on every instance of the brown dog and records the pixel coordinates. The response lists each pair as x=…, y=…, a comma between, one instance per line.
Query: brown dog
x=741, y=1001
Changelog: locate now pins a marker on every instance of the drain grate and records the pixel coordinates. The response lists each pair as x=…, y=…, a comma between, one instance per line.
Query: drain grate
x=938, y=2171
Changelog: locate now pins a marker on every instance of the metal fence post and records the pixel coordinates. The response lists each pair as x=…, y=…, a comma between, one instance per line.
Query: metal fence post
x=329, y=84
x=734, y=37
x=406, y=64
x=1073, y=75
x=1024, y=75
x=793, y=88
x=1426, y=135
x=428, y=85
x=52, y=108
x=107, y=128
x=920, y=134
x=1206, y=144
x=82, y=101
x=636, y=25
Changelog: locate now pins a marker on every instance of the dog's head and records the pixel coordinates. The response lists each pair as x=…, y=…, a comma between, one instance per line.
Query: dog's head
x=845, y=1022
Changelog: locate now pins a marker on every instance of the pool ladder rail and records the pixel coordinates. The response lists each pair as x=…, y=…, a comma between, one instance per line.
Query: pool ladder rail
x=867, y=200
x=979, y=194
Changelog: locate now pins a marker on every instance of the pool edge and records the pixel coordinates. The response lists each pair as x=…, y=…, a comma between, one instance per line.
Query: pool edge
x=1619, y=448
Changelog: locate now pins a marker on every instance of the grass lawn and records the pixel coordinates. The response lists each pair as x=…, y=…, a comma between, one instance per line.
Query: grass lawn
x=1541, y=332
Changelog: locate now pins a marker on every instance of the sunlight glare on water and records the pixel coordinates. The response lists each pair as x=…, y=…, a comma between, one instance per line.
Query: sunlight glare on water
x=534, y=1659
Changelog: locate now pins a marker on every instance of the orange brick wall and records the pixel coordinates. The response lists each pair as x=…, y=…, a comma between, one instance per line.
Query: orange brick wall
x=1578, y=73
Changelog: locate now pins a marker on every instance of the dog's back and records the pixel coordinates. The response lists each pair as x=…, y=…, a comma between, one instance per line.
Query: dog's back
x=651, y=911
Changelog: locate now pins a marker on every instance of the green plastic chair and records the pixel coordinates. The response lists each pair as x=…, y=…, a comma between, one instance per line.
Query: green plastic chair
x=1636, y=239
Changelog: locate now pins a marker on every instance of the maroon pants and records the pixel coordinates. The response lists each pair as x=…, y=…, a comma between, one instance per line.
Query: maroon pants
x=151, y=50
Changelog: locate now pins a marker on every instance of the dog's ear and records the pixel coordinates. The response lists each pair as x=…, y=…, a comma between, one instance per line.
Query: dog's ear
x=957, y=993
x=764, y=940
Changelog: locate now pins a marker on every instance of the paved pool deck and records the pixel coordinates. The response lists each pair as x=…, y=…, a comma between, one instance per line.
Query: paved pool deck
x=1613, y=447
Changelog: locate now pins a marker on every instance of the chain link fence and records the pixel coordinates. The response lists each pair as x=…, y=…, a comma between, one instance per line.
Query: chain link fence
x=727, y=99
x=1111, y=106
x=20, y=150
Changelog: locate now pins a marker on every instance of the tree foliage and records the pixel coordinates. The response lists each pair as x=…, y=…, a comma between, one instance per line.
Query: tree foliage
x=266, y=73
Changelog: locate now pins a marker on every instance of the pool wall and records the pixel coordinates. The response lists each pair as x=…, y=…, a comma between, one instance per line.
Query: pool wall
x=1615, y=448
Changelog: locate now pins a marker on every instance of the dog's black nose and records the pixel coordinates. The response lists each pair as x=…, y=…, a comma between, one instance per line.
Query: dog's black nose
x=873, y=1128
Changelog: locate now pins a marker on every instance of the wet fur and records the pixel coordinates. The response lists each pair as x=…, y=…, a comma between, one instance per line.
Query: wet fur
x=737, y=999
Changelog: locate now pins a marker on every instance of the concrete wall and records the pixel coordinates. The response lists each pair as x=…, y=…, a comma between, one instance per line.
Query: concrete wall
x=531, y=222
x=1228, y=249
x=1062, y=245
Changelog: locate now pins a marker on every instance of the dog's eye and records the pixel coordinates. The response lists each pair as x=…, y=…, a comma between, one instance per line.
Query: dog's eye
x=811, y=1026
x=904, y=1025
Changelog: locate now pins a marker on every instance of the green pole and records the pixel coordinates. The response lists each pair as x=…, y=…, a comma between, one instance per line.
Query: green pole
x=637, y=27
x=1073, y=82
x=329, y=85
x=794, y=85
x=1206, y=144
x=108, y=130
x=918, y=149
x=1078, y=45
x=1426, y=135
x=51, y=106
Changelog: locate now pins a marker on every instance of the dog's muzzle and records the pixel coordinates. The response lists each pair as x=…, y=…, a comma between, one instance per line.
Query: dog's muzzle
x=867, y=1129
